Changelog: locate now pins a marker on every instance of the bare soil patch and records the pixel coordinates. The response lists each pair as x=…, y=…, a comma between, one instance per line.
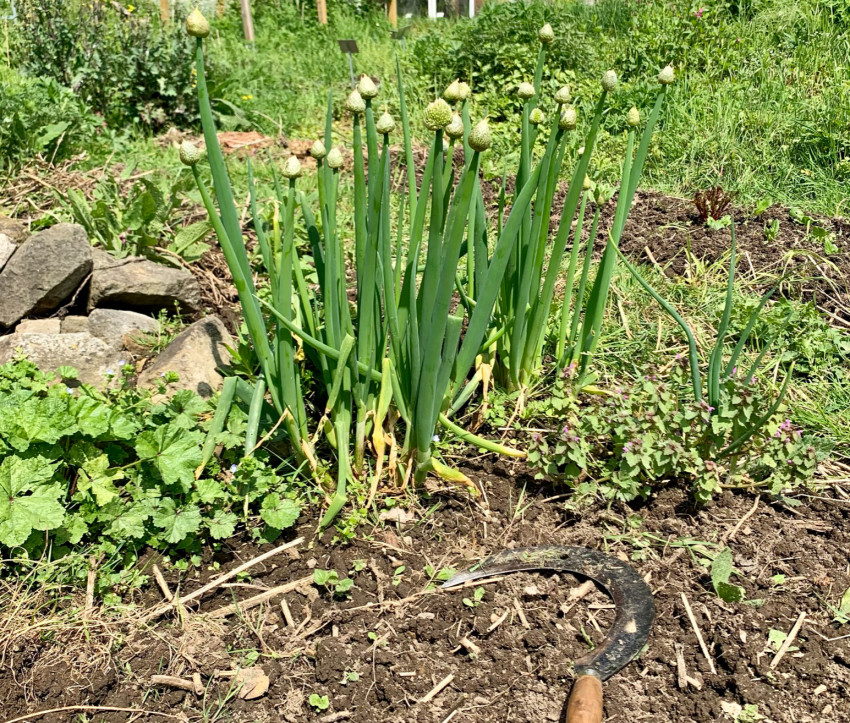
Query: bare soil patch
x=381, y=648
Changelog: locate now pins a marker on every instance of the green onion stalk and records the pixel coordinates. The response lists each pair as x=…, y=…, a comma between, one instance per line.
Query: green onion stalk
x=275, y=351
x=721, y=371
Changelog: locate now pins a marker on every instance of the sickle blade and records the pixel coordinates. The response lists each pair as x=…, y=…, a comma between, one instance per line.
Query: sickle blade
x=635, y=609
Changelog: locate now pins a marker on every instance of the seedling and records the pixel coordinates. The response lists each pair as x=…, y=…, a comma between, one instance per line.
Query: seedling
x=477, y=597
x=319, y=702
x=721, y=570
x=712, y=205
x=330, y=580
x=399, y=571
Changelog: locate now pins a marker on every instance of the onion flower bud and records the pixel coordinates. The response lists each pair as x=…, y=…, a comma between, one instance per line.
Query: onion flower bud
x=452, y=92
x=197, y=25
x=667, y=76
x=385, y=123
x=633, y=117
x=455, y=128
x=318, y=150
x=479, y=137
x=367, y=88
x=536, y=117
x=335, y=158
x=355, y=103
x=525, y=91
x=610, y=81
x=291, y=167
x=438, y=115
x=568, y=119
x=189, y=153
x=563, y=95
x=546, y=35
x=464, y=90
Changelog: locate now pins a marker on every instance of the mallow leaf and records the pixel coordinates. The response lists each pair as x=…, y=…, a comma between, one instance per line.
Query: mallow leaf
x=279, y=512
x=175, y=453
x=177, y=523
x=28, y=499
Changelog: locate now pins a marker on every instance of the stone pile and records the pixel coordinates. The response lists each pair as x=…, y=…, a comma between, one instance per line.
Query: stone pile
x=46, y=275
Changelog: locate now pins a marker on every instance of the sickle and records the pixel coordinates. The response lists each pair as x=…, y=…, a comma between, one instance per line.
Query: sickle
x=629, y=632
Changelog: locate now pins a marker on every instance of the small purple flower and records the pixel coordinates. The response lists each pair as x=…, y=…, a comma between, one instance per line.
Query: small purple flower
x=576, y=439
x=535, y=437
x=711, y=409
x=233, y=468
x=122, y=363
x=110, y=372
x=69, y=390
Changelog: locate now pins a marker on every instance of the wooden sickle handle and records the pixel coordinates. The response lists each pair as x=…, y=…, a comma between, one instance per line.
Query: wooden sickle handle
x=585, y=704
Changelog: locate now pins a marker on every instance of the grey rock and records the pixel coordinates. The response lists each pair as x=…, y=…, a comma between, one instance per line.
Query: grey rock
x=90, y=356
x=141, y=284
x=45, y=270
x=39, y=326
x=113, y=325
x=7, y=248
x=14, y=230
x=74, y=324
x=196, y=354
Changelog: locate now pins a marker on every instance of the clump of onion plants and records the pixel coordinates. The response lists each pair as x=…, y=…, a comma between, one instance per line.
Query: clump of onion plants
x=537, y=261
x=434, y=285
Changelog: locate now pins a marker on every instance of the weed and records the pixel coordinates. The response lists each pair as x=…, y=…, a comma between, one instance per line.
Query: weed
x=712, y=204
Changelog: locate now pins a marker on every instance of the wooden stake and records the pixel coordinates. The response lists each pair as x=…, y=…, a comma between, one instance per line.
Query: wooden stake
x=787, y=642
x=164, y=12
x=221, y=579
x=392, y=13
x=322, y=8
x=437, y=689
x=247, y=20
x=252, y=602
x=163, y=585
x=702, y=644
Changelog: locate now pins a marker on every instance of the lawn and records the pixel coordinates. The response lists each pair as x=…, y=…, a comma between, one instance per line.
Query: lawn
x=563, y=274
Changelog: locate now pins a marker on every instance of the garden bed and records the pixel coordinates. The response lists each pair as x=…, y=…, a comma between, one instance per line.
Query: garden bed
x=381, y=647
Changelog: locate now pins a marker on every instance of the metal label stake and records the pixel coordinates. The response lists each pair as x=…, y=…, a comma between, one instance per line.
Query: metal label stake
x=349, y=47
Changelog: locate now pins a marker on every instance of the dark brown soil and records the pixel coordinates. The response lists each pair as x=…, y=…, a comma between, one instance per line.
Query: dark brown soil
x=378, y=650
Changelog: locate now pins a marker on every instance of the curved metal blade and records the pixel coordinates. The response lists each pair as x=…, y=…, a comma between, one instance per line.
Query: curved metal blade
x=632, y=596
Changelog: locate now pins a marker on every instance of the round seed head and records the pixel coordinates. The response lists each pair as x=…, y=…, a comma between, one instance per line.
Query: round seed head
x=525, y=91
x=610, y=81
x=633, y=117
x=563, y=95
x=335, y=158
x=385, y=123
x=367, y=88
x=355, y=103
x=667, y=76
x=291, y=167
x=318, y=150
x=190, y=154
x=455, y=128
x=569, y=119
x=479, y=137
x=437, y=115
x=464, y=90
x=546, y=34
x=536, y=117
x=452, y=92
x=197, y=25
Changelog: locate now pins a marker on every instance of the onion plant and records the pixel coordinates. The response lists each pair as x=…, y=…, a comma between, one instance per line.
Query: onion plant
x=536, y=265
x=719, y=369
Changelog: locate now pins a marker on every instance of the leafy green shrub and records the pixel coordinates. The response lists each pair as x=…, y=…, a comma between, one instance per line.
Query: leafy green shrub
x=114, y=468
x=643, y=437
x=137, y=221
x=38, y=115
x=119, y=60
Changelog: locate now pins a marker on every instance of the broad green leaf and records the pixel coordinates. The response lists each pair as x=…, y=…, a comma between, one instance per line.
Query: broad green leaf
x=209, y=490
x=728, y=592
x=177, y=523
x=131, y=522
x=175, y=453
x=28, y=501
x=222, y=525
x=279, y=512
